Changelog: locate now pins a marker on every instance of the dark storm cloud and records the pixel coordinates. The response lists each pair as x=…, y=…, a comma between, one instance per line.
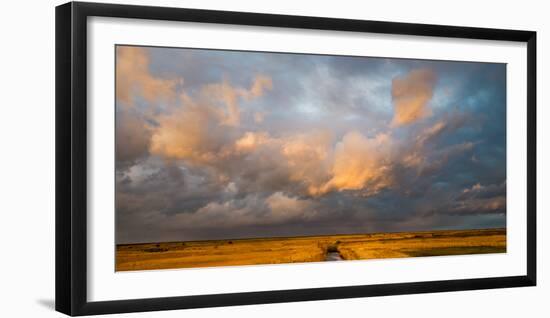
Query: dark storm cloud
x=219, y=144
x=133, y=137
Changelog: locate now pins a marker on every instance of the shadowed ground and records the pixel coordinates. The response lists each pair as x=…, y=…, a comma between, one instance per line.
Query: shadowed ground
x=308, y=249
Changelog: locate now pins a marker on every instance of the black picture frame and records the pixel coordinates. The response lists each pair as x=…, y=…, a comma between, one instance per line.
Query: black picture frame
x=71, y=157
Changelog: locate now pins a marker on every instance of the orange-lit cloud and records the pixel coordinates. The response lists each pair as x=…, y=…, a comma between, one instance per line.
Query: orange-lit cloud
x=308, y=158
x=361, y=163
x=250, y=141
x=430, y=132
x=313, y=162
x=185, y=134
x=411, y=94
x=261, y=83
x=199, y=131
x=415, y=157
x=134, y=78
x=417, y=153
x=205, y=131
x=230, y=95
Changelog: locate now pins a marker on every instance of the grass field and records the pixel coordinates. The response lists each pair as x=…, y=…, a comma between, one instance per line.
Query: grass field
x=132, y=257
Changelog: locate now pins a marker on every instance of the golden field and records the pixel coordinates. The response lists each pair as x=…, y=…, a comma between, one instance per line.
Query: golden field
x=132, y=257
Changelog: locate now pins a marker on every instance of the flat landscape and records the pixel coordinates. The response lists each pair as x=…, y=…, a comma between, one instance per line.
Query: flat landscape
x=133, y=257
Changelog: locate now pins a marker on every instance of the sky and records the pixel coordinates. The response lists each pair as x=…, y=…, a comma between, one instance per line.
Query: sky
x=216, y=144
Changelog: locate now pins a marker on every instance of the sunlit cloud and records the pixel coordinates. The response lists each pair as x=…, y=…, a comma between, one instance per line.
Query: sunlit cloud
x=411, y=94
x=199, y=131
x=361, y=163
x=133, y=78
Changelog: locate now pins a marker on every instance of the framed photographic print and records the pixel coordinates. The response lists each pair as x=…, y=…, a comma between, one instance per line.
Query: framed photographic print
x=209, y=158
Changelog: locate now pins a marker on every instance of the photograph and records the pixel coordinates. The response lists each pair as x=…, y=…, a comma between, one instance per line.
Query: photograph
x=217, y=156
x=228, y=157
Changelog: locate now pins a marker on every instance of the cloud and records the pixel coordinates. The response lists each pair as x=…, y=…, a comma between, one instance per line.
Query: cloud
x=309, y=158
x=192, y=133
x=309, y=163
x=252, y=210
x=425, y=154
x=440, y=157
x=200, y=130
x=261, y=83
x=483, y=191
x=259, y=117
x=411, y=94
x=250, y=141
x=255, y=179
x=475, y=187
x=481, y=199
x=361, y=163
x=133, y=77
x=230, y=96
x=133, y=137
x=430, y=133
x=305, y=163
x=284, y=208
